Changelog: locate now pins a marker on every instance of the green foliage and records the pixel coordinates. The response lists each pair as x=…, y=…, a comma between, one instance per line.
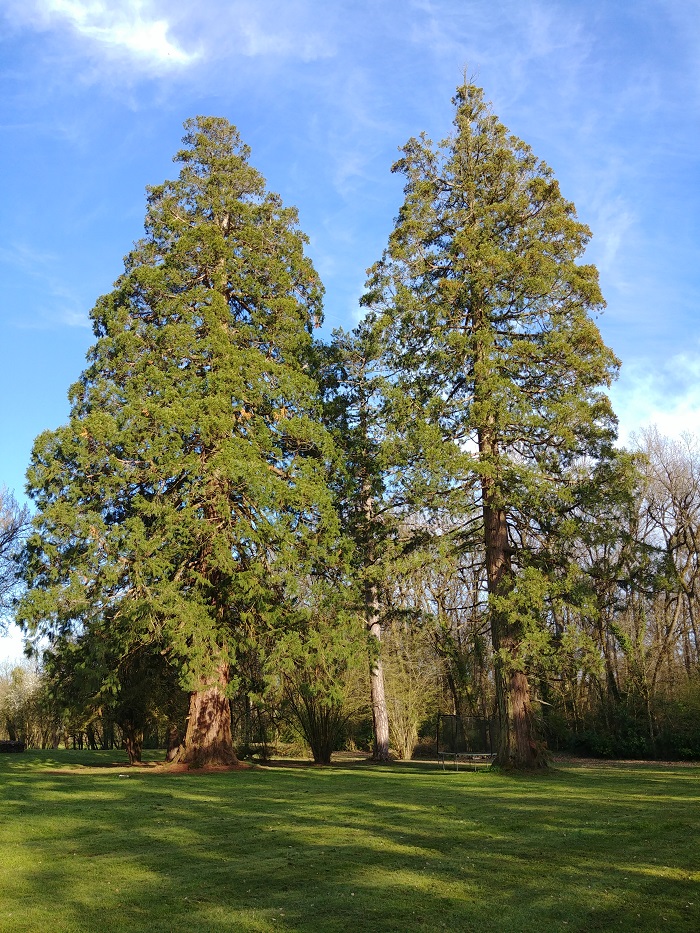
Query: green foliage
x=314, y=670
x=188, y=491
x=496, y=371
x=679, y=726
x=413, y=676
x=378, y=519
x=110, y=692
x=27, y=711
x=485, y=316
x=187, y=515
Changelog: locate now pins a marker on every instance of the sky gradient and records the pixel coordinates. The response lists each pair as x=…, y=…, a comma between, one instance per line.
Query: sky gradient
x=94, y=94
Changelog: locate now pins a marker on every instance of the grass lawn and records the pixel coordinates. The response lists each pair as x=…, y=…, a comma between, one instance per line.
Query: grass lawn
x=352, y=847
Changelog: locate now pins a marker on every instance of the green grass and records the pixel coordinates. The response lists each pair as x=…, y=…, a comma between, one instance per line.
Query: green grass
x=353, y=847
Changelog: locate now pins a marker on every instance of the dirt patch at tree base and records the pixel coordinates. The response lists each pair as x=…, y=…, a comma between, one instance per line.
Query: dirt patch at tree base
x=149, y=767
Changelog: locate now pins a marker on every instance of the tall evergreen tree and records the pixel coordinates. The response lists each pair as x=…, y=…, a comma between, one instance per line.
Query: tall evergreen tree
x=497, y=368
x=187, y=495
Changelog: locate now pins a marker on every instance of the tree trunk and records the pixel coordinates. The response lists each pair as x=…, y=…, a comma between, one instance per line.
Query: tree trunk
x=456, y=699
x=517, y=746
x=133, y=742
x=380, y=716
x=208, y=740
x=173, y=742
x=92, y=744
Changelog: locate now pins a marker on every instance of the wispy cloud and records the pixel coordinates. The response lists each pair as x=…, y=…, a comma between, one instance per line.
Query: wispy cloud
x=59, y=306
x=666, y=395
x=510, y=40
x=25, y=258
x=125, y=27
x=612, y=219
x=684, y=19
x=262, y=33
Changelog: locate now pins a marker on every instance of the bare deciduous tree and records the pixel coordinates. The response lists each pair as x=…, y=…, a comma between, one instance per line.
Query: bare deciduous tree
x=14, y=521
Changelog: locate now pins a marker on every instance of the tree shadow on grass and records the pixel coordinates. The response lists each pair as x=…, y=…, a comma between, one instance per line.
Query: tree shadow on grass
x=342, y=848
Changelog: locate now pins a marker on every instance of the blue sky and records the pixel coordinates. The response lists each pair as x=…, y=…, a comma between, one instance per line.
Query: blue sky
x=94, y=93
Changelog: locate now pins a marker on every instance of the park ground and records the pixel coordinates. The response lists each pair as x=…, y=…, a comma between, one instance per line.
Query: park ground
x=89, y=844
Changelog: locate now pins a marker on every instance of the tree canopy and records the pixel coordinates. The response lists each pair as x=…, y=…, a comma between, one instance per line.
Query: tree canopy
x=189, y=487
x=235, y=511
x=496, y=368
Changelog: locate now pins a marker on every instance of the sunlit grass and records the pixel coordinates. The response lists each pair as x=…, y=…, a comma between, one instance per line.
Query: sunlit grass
x=353, y=847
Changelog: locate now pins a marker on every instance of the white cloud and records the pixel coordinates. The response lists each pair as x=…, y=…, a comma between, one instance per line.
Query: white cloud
x=128, y=27
x=170, y=35
x=12, y=646
x=666, y=395
x=268, y=40
x=613, y=225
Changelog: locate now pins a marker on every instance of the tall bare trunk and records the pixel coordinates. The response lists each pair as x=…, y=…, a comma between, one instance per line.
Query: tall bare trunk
x=208, y=738
x=380, y=717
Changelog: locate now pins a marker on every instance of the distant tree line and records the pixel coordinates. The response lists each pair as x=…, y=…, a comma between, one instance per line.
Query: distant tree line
x=246, y=537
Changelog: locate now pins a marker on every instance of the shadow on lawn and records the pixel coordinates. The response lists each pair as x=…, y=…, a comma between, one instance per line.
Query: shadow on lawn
x=335, y=849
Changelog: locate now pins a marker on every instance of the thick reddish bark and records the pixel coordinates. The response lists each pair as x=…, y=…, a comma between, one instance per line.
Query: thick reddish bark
x=517, y=745
x=133, y=742
x=208, y=740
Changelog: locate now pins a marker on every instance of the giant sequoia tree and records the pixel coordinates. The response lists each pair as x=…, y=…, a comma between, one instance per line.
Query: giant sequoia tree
x=497, y=371
x=187, y=495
